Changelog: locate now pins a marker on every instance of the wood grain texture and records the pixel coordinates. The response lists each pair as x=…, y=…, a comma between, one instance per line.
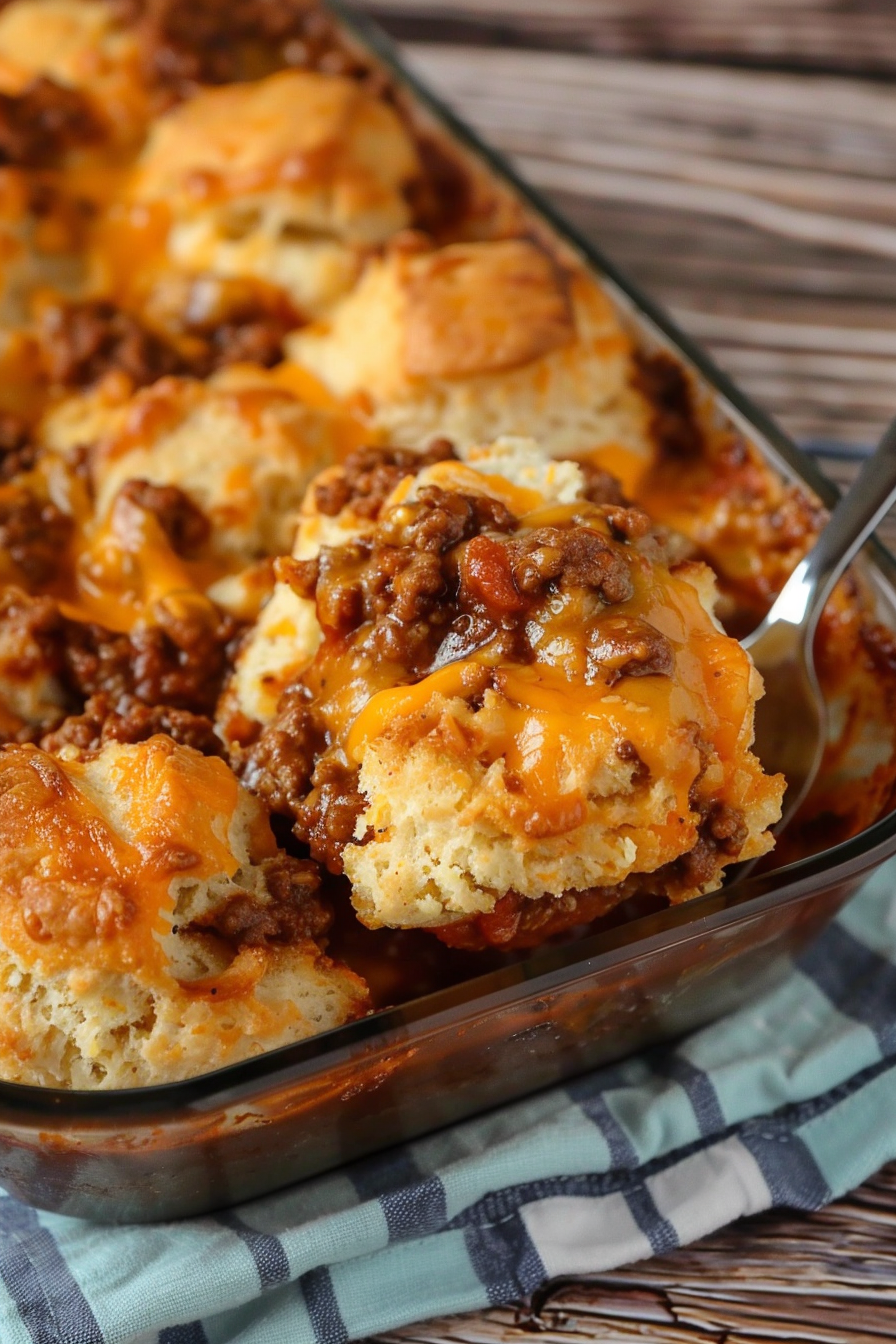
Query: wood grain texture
x=759, y=205
x=855, y=35
x=760, y=209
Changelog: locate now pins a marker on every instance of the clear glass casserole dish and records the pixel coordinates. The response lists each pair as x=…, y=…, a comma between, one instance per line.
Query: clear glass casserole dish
x=184, y=1148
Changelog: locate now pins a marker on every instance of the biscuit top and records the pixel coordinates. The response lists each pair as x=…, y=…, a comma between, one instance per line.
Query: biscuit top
x=149, y=927
x=191, y=482
x=560, y=613
x=68, y=40
x=477, y=309
x=533, y=635
x=454, y=312
x=94, y=851
x=296, y=130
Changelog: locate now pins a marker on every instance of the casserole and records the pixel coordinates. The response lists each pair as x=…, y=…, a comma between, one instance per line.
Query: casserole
x=180, y=1148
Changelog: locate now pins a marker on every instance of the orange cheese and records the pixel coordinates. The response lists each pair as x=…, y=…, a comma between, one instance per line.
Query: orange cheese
x=129, y=244
x=78, y=888
x=452, y=475
x=553, y=717
x=125, y=568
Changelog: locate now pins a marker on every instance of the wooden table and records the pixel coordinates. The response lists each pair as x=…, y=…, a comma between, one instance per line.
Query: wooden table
x=738, y=158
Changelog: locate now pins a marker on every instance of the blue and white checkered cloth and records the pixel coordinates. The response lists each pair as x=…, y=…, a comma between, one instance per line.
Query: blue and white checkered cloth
x=789, y=1102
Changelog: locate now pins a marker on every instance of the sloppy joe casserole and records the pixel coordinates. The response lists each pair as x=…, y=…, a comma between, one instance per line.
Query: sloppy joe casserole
x=354, y=560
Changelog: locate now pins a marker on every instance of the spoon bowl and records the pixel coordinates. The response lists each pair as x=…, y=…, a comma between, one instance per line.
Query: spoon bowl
x=791, y=718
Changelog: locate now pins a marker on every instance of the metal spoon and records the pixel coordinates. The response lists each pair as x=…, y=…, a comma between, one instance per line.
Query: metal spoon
x=791, y=719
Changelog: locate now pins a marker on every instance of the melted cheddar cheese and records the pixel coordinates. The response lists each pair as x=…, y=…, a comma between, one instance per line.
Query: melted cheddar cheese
x=113, y=970
x=80, y=883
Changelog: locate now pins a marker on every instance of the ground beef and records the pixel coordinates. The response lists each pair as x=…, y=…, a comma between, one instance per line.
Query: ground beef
x=128, y=720
x=31, y=645
x=250, y=340
x=278, y=767
x=520, y=922
x=693, y=870
x=34, y=534
x=405, y=588
x=219, y=320
x=439, y=519
x=321, y=800
x=396, y=574
x=628, y=523
x=627, y=646
x=38, y=125
x=82, y=341
x=440, y=576
x=32, y=634
x=96, y=660
x=181, y=661
x=369, y=475
x=294, y=913
x=183, y=522
x=553, y=557
x=725, y=826
x=18, y=452
x=327, y=819
x=398, y=588
x=674, y=422
x=600, y=486
x=207, y=42
x=38, y=617
x=722, y=831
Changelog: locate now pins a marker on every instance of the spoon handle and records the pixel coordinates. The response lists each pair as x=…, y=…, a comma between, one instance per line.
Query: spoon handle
x=855, y=517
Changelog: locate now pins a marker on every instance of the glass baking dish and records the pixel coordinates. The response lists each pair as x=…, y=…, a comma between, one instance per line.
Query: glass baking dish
x=213, y=1141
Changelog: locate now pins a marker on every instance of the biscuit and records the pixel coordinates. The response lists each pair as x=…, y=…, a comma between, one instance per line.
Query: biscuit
x=75, y=42
x=477, y=340
x=148, y=928
x=515, y=687
x=287, y=178
x=240, y=447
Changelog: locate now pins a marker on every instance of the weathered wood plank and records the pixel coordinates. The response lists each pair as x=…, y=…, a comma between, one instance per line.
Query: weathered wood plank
x=859, y=35
x=825, y=1278
x=761, y=209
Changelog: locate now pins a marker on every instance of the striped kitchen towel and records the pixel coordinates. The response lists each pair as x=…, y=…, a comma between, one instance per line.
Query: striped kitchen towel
x=789, y=1102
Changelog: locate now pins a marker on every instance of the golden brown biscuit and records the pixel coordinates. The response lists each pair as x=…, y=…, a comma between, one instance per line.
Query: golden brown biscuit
x=477, y=340
x=239, y=449
x=480, y=310
x=148, y=928
x=284, y=178
x=76, y=42
x=482, y=782
x=80, y=47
